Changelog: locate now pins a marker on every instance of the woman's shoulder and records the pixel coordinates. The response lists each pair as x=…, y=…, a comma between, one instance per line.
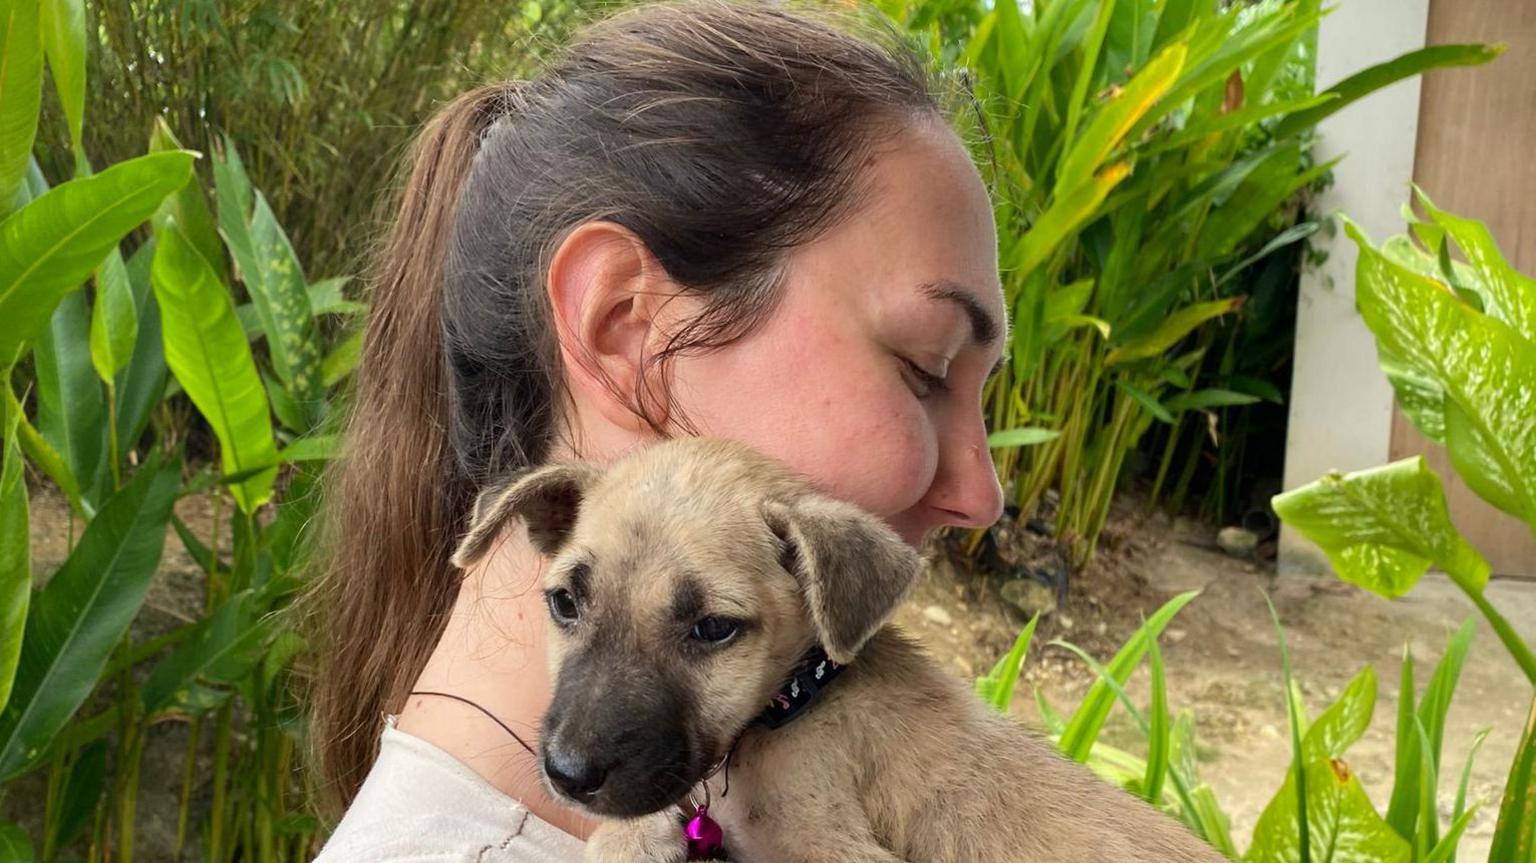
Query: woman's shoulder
x=421, y=804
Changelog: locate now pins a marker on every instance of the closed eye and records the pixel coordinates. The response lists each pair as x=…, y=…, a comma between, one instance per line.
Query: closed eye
x=927, y=382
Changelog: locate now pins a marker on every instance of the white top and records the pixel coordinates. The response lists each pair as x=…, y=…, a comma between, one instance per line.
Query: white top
x=421, y=805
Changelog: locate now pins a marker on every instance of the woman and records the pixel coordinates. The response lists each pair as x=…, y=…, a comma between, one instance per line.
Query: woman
x=703, y=217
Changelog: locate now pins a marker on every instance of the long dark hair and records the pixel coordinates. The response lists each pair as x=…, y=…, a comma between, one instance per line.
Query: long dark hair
x=723, y=133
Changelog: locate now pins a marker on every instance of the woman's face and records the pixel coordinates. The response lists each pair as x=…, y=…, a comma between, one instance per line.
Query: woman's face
x=868, y=375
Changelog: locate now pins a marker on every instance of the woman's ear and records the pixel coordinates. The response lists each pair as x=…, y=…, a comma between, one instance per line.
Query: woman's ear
x=547, y=499
x=607, y=292
x=852, y=567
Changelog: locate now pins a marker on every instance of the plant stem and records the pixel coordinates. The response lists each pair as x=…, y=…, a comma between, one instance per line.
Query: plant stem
x=1512, y=641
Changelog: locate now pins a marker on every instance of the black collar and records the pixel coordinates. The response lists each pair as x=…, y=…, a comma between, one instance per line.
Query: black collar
x=810, y=675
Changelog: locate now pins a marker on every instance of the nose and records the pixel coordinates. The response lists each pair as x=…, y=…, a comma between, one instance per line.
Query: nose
x=965, y=485
x=574, y=774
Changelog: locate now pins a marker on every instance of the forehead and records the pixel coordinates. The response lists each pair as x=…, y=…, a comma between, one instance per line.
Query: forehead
x=926, y=217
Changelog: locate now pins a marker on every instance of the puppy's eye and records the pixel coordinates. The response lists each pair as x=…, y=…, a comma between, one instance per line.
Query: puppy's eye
x=562, y=606
x=715, y=631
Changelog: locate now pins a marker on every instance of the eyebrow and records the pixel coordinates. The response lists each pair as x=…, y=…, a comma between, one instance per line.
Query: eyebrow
x=984, y=328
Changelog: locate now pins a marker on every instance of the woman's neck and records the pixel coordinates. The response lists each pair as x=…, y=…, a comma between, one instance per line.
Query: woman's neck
x=493, y=652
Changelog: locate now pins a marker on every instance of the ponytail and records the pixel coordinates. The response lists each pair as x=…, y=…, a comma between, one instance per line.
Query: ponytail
x=394, y=500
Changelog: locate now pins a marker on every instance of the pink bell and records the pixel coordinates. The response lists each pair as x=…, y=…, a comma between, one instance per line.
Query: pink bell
x=706, y=841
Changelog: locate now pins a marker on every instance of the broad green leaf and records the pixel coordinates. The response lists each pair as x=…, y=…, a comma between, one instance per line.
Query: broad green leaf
x=82, y=613
x=114, y=318
x=343, y=358
x=1370, y=80
x=206, y=351
x=21, y=95
x=82, y=793
x=141, y=385
x=1509, y=295
x=1065, y=215
x=1173, y=329
x=15, y=845
x=1342, y=823
x=1486, y=369
x=224, y=648
x=1243, y=118
x=996, y=688
x=1383, y=527
x=189, y=206
x=71, y=408
x=1025, y=436
x=1345, y=721
x=1081, y=732
x=15, y=554
x=280, y=294
x=1116, y=117
x=326, y=298
x=1088, y=50
x=1514, y=838
x=50, y=246
x=63, y=27
x=43, y=454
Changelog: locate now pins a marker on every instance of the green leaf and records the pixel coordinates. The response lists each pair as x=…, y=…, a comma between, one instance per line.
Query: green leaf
x=82, y=613
x=1115, y=119
x=284, y=294
x=1403, y=808
x=1173, y=329
x=63, y=28
x=1081, y=732
x=224, y=647
x=343, y=358
x=50, y=246
x=141, y=385
x=996, y=688
x=1066, y=214
x=188, y=205
x=43, y=454
x=1145, y=399
x=71, y=408
x=1370, y=80
x=82, y=792
x=114, y=318
x=1209, y=398
x=1158, y=732
x=1508, y=295
x=206, y=351
x=1342, y=823
x=15, y=845
x=1023, y=436
x=21, y=95
x=1486, y=370
x=1383, y=527
x=1514, y=838
x=15, y=554
x=1345, y=721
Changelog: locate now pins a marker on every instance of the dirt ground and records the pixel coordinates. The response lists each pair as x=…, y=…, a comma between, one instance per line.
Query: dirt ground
x=1222, y=659
x=1221, y=655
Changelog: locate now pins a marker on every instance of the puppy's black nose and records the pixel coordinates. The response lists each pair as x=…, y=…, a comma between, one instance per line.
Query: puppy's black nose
x=574, y=773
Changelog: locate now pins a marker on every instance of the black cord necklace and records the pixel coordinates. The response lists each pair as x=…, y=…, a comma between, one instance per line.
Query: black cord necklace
x=493, y=716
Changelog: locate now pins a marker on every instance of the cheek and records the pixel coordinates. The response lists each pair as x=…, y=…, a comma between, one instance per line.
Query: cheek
x=827, y=402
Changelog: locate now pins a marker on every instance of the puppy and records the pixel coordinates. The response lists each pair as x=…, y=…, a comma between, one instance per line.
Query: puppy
x=688, y=585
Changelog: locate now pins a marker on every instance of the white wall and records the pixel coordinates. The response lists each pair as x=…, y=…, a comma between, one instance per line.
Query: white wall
x=1341, y=403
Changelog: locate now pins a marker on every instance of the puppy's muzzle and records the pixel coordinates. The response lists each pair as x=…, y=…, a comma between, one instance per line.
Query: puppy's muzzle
x=616, y=740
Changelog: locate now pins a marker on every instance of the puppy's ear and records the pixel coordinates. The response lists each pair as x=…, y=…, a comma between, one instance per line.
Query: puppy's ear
x=547, y=498
x=852, y=568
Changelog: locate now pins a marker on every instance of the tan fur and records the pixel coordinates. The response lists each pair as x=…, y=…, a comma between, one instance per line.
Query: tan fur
x=896, y=761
